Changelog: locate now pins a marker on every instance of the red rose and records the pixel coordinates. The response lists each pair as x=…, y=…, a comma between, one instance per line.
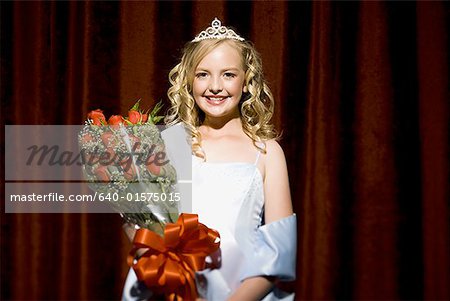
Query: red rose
x=86, y=138
x=144, y=118
x=89, y=159
x=115, y=120
x=152, y=167
x=106, y=138
x=109, y=154
x=134, y=116
x=102, y=173
x=135, y=142
x=129, y=171
x=109, y=143
x=97, y=117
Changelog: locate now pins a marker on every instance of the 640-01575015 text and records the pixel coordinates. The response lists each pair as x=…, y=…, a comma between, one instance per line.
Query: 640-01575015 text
x=140, y=197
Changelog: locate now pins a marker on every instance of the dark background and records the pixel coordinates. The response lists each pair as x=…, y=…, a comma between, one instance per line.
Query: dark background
x=362, y=100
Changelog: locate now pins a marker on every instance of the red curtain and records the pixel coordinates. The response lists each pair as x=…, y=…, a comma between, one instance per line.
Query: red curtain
x=362, y=100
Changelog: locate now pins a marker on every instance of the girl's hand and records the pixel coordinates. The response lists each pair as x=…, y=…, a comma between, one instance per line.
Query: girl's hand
x=130, y=230
x=253, y=289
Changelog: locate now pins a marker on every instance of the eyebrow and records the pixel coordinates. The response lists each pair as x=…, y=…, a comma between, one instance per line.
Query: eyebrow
x=224, y=69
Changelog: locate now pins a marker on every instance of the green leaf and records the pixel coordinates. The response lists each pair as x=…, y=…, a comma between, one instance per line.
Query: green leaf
x=156, y=109
x=157, y=119
x=136, y=105
x=153, y=117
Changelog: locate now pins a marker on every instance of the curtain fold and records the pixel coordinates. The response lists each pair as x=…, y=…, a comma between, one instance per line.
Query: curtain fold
x=375, y=177
x=320, y=200
x=362, y=101
x=433, y=78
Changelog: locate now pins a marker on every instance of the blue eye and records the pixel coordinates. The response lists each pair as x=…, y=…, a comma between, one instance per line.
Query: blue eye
x=201, y=74
x=229, y=74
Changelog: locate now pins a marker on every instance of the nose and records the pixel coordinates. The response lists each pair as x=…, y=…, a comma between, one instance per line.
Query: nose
x=215, y=85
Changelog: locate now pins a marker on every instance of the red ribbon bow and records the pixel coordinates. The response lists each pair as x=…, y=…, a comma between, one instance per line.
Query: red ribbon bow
x=169, y=264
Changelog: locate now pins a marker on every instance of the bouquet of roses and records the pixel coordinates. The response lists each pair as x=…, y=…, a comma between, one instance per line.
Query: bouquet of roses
x=124, y=160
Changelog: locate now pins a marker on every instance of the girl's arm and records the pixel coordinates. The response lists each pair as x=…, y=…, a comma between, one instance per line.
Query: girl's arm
x=254, y=288
x=277, y=194
x=277, y=206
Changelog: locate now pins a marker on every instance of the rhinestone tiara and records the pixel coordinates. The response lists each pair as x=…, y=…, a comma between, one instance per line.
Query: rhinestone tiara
x=217, y=31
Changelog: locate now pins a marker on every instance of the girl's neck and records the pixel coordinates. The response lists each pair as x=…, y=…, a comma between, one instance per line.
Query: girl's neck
x=223, y=125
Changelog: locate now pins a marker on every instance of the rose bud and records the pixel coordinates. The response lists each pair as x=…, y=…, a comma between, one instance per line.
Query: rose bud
x=135, y=142
x=86, y=138
x=115, y=120
x=97, y=117
x=102, y=173
x=152, y=167
x=134, y=116
x=108, y=155
x=144, y=118
x=88, y=159
x=129, y=171
x=106, y=138
x=123, y=159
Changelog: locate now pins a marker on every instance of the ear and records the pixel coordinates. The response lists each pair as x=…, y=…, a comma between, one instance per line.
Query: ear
x=245, y=89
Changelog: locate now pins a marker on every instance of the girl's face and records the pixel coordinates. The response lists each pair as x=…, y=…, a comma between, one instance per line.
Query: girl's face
x=219, y=82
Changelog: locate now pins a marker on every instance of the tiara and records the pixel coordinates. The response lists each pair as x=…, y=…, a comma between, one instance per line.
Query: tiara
x=217, y=31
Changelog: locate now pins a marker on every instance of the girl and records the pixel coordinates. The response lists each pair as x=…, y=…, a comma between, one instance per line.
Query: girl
x=240, y=182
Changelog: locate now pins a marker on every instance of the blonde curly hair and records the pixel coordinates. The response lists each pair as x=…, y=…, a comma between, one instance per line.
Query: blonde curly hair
x=256, y=105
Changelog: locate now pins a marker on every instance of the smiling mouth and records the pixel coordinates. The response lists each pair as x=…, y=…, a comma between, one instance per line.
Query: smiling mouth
x=216, y=99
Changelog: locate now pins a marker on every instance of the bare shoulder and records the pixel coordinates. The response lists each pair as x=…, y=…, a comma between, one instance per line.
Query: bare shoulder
x=274, y=153
x=273, y=147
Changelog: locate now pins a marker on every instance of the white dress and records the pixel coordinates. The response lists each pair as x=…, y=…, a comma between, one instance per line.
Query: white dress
x=229, y=197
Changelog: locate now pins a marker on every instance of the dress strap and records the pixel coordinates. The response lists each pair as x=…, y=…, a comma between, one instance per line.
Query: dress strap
x=257, y=157
x=263, y=146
